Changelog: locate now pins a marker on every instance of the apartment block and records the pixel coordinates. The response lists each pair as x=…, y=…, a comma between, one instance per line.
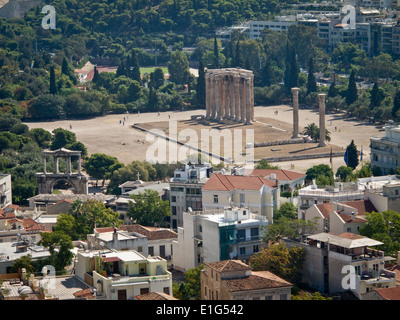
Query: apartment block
x=215, y=235
x=5, y=190
x=331, y=257
x=235, y=280
x=186, y=190
x=385, y=150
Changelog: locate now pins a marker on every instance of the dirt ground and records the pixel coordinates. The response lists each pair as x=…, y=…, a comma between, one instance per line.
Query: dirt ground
x=113, y=135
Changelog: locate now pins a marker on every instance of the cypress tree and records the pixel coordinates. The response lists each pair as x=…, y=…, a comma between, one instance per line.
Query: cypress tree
x=133, y=68
x=375, y=96
x=332, y=92
x=294, y=70
x=287, y=67
x=237, y=61
x=266, y=74
x=96, y=75
x=201, y=85
x=53, y=86
x=351, y=95
x=121, y=70
x=311, y=81
x=216, y=54
x=396, y=104
x=352, y=156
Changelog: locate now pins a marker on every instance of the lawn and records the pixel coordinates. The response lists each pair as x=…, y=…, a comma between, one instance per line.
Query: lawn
x=151, y=69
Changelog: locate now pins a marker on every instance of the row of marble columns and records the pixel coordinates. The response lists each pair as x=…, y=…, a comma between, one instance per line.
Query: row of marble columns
x=321, y=102
x=230, y=95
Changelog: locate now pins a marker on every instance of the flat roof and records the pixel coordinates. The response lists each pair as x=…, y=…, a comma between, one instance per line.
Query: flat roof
x=355, y=242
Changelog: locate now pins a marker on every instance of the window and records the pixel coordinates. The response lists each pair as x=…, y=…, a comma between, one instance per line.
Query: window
x=268, y=297
x=173, y=210
x=173, y=198
x=166, y=290
x=256, y=298
x=242, y=250
x=140, y=249
x=283, y=297
x=215, y=198
x=151, y=251
x=242, y=198
x=255, y=249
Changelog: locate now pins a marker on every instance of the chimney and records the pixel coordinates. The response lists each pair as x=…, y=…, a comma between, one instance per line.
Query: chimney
x=115, y=235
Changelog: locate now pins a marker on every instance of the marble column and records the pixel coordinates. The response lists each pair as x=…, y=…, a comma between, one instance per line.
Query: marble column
x=231, y=99
x=242, y=100
x=252, y=97
x=248, y=101
x=55, y=165
x=236, y=80
x=225, y=88
x=295, y=93
x=44, y=165
x=219, y=98
x=208, y=96
x=321, y=100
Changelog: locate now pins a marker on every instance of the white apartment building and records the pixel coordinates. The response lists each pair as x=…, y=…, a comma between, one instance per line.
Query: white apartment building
x=122, y=275
x=5, y=190
x=186, y=190
x=385, y=150
x=328, y=253
x=216, y=235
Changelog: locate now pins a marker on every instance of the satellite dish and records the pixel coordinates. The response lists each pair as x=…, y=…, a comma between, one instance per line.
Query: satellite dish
x=190, y=209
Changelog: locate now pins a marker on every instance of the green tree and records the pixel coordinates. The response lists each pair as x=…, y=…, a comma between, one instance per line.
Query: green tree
x=280, y=260
x=351, y=94
x=178, y=67
x=376, y=97
x=148, y=208
x=23, y=262
x=62, y=138
x=352, y=155
x=47, y=106
x=332, y=92
x=264, y=164
x=344, y=173
x=311, y=81
x=319, y=170
x=132, y=67
x=384, y=227
x=216, y=54
x=286, y=210
x=396, y=105
x=201, y=85
x=189, y=289
x=100, y=166
x=53, y=86
x=59, y=245
x=41, y=136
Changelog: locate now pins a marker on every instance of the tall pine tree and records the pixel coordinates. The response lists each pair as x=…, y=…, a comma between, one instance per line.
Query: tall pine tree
x=332, y=92
x=351, y=94
x=396, y=104
x=375, y=97
x=352, y=155
x=311, y=81
x=53, y=86
x=201, y=85
x=216, y=54
x=237, y=59
x=132, y=67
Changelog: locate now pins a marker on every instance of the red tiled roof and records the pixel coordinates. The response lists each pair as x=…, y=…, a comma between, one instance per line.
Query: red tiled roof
x=221, y=182
x=281, y=174
x=229, y=265
x=150, y=232
x=349, y=235
x=256, y=281
x=325, y=209
x=389, y=293
x=85, y=293
x=362, y=206
x=7, y=215
x=31, y=225
x=347, y=218
x=104, y=229
x=155, y=296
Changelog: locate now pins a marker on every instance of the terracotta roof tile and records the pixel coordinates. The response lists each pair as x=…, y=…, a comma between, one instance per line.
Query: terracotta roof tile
x=85, y=293
x=325, y=209
x=221, y=182
x=155, y=296
x=362, y=206
x=347, y=218
x=150, y=233
x=256, y=281
x=281, y=174
x=229, y=265
x=389, y=293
